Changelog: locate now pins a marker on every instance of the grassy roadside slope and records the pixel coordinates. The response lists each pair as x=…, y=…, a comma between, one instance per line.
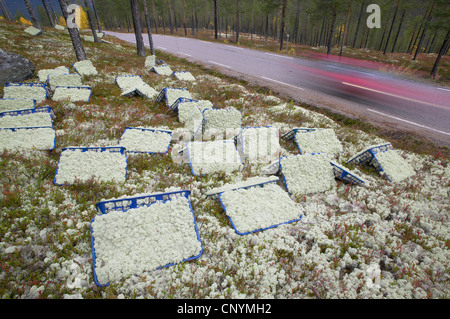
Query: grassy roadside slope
x=45, y=237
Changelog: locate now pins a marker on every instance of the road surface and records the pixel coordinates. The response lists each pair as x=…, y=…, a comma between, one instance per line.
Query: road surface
x=342, y=86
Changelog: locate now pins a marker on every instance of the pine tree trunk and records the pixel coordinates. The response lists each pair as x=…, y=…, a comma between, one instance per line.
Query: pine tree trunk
x=154, y=16
x=408, y=49
x=216, y=35
x=390, y=29
x=442, y=51
x=331, y=35
x=30, y=9
x=345, y=30
x=149, y=29
x=49, y=15
x=170, y=18
x=91, y=22
x=74, y=34
x=237, y=21
x=283, y=17
x=418, y=49
x=267, y=28
x=96, y=16
x=184, y=18
x=421, y=27
x=358, y=25
x=398, y=31
x=6, y=11
x=54, y=12
x=432, y=42
x=137, y=28
x=384, y=32
x=296, y=23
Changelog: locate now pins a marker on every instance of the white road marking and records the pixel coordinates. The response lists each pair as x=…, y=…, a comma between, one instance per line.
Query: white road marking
x=230, y=46
x=220, y=64
x=280, y=56
x=162, y=48
x=295, y=87
x=185, y=54
x=395, y=95
x=344, y=69
x=406, y=121
x=443, y=89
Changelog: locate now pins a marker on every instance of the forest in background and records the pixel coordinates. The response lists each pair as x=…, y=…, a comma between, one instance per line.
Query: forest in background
x=412, y=27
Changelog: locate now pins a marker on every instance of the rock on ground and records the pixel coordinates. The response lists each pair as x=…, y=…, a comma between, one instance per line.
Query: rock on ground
x=14, y=68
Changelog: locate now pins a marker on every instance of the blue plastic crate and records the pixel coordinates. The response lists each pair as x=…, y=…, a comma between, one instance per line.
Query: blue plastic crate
x=148, y=129
x=44, y=109
x=125, y=204
x=42, y=85
x=113, y=149
x=16, y=99
x=344, y=174
x=189, y=155
x=239, y=138
x=162, y=96
x=14, y=129
x=256, y=230
x=214, y=194
x=177, y=103
x=79, y=88
x=281, y=167
x=366, y=155
x=126, y=76
x=205, y=120
x=291, y=134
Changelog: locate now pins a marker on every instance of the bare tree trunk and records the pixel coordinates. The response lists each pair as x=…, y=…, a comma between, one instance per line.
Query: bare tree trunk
x=296, y=23
x=330, y=37
x=73, y=32
x=154, y=16
x=442, y=51
x=384, y=32
x=358, y=25
x=49, y=15
x=432, y=42
x=34, y=20
x=192, y=21
x=283, y=17
x=91, y=22
x=53, y=11
x=418, y=49
x=421, y=27
x=398, y=31
x=237, y=21
x=137, y=28
x=216, y=36
x=149, y=29
x=267, y=28
x=184, y=17
x=345, y=30
x=96, y=16
x=412, y=37
x=390, y=29
x=170, y=17
x=5, y=10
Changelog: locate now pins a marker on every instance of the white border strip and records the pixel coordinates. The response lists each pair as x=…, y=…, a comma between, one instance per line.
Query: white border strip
x=399, y=119
x=220, y=64
x=394, y=95
x=295, y=87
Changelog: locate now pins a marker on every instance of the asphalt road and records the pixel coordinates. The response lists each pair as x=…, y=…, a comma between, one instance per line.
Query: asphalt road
x=353, y=90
